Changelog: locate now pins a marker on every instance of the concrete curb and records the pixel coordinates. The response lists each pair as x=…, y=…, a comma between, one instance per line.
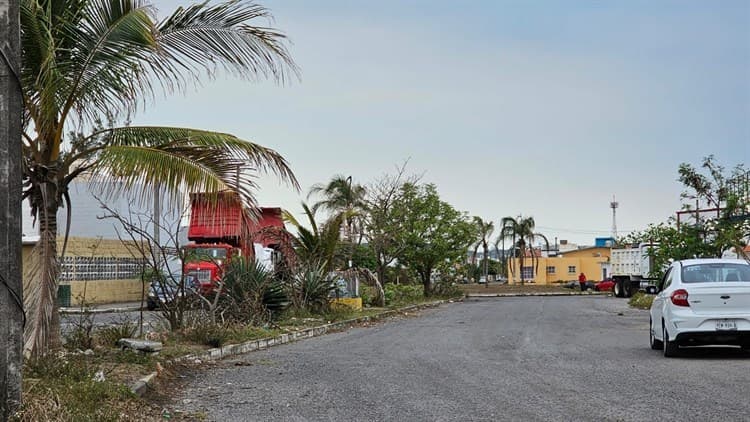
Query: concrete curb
x=77, y=311
x=141, y=386
x=471, y=295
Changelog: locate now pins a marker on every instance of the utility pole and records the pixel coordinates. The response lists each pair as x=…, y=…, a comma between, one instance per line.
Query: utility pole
x=11, y=295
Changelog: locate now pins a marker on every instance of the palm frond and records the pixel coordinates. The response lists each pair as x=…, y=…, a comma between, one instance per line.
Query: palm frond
x=179, y=158
x=204, y=37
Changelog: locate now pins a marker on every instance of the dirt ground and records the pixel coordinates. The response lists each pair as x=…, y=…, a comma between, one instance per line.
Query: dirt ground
x=511, y=288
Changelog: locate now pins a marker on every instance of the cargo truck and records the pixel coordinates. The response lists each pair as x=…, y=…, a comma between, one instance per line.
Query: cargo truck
x=222, y=229
x=631, y=269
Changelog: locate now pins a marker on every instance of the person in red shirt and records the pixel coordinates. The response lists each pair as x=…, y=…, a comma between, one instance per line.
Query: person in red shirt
x=582, y=281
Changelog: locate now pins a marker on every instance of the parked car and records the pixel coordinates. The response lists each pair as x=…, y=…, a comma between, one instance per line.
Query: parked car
x=577, y=285
x=167, y=291
x=605, y=285
x=701, y=302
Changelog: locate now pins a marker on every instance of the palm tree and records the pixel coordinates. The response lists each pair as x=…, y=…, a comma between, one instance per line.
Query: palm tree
x=520, y=231
x=315, y=246
x=483, y=232
x=340, y=197
x=85, y=62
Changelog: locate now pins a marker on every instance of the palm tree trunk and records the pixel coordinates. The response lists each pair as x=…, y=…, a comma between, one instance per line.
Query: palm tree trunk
x=42, y=333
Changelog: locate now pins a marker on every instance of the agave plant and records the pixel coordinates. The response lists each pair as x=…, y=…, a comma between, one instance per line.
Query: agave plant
x=311, y=287
x=251, y=293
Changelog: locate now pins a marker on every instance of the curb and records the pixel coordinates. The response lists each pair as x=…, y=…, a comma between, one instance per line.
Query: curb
x=470, y=295
x=75, y=311
x=141, y=386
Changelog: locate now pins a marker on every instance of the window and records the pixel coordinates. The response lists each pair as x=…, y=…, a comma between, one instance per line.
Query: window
x=550, y=270
x=527, y=273
x=667, y=280
x=715, y=272
x=571, y=269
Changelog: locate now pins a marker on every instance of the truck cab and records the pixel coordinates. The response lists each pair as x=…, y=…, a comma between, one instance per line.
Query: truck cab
x=204, y=263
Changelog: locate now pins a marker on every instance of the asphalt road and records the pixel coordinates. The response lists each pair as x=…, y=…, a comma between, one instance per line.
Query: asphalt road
x=519, y=359
x=152, y=320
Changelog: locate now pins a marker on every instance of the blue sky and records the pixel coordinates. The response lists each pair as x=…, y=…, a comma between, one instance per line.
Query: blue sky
x=543, y=108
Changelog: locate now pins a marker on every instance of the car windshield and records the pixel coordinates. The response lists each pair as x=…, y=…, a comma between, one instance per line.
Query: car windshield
x=201, y=254
x=715, y=272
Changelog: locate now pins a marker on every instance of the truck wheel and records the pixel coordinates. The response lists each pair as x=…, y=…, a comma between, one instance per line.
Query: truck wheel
x=670, y=348
x=653, y=341
x=617, y=289
x=627, y=289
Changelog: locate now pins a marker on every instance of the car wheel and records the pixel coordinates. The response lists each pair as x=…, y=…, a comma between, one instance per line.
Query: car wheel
x=653, y=341
x=670, y=348
x=150, y=305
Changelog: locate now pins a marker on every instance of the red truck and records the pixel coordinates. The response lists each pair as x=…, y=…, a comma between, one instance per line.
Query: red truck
x=221, y=229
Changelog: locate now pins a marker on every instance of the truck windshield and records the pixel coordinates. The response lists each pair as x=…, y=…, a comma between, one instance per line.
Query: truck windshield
x=202, y=254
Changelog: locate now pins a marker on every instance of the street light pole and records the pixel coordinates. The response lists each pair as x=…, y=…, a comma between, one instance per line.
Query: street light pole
x=11, y=295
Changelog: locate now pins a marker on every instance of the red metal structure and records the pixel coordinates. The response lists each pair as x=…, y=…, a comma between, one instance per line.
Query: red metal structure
x=221, y=229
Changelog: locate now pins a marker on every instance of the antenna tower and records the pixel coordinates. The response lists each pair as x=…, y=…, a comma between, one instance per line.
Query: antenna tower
x=614, y=204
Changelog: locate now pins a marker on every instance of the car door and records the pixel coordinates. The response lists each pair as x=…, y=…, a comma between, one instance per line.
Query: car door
x=662, y=296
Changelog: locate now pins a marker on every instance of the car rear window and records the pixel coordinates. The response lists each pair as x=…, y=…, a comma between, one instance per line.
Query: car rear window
x=715, y=272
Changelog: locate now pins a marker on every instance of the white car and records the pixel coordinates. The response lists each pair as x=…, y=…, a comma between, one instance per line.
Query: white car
x=701, y=302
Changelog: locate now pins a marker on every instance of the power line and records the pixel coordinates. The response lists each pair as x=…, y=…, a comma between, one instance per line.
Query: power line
x=583, y=231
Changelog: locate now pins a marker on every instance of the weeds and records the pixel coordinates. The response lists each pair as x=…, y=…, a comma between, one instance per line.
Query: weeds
x=110, y=335
x=65, y=389
x=214, y=335
x=641, y=301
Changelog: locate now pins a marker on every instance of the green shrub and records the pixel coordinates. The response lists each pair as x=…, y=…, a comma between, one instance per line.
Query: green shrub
x=367, y=295
x=311, y=288
x=641, y=300
x=108, y=336
x=214, y=335
x=446, y=290
x=403, y=293
x=251, y=293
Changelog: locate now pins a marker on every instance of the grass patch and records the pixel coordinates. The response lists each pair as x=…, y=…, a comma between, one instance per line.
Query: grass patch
x=641, y=300
x=68, y=389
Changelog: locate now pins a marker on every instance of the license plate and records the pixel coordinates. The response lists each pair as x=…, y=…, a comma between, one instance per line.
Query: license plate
x=726, y=325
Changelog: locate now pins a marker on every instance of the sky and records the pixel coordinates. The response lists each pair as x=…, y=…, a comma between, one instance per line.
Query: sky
x=543, y=108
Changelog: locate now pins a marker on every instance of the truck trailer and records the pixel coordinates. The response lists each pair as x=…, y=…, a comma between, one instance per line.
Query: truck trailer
x=631, y=269
x=222, y=229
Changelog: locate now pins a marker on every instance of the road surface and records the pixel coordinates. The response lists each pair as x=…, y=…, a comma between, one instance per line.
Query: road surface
x=517, y=359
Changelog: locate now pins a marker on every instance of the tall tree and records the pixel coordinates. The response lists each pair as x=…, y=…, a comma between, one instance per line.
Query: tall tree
x=435, y=233
x=726, y=194
x=87, y=61
x=11, y=306
x=341, y=197
x=521, y=232
x=384, y=218
x=483, y=232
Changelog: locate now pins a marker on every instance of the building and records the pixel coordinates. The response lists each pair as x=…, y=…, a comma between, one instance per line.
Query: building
x=566, y=266
x=97, y=267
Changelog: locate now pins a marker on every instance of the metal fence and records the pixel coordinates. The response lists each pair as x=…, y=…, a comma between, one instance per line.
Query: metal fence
x=79, y=268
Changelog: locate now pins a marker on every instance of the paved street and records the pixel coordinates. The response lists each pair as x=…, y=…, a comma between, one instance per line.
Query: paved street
x=527, y=358
x=152, y=320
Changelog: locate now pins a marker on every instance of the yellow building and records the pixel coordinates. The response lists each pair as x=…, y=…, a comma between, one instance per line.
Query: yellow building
x=564, y=267
x=95, y=270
